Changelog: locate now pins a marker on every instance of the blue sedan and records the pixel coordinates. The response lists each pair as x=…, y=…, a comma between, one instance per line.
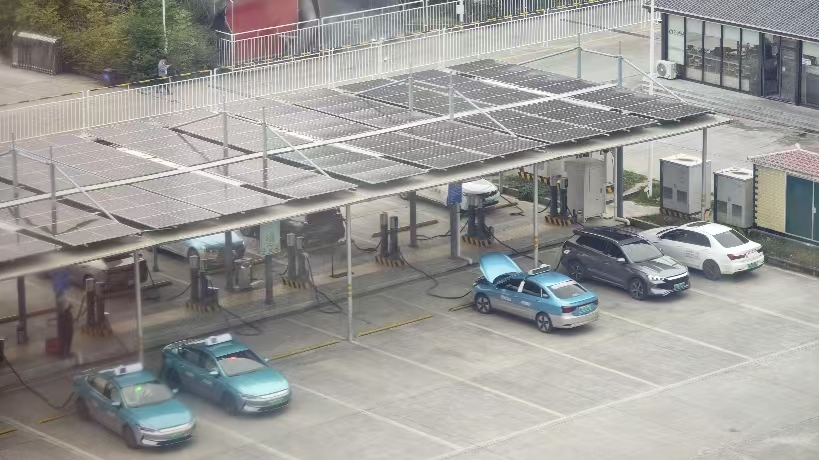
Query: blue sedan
x=552, y=300
x=132, y=403
x=226, y=372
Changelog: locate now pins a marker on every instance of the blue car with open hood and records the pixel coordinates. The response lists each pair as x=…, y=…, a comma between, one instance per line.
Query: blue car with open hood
x=132, y=403
x=226, y=372
x=550, y=299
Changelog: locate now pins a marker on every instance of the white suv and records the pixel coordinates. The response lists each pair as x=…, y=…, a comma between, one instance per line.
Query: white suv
x=713, y=248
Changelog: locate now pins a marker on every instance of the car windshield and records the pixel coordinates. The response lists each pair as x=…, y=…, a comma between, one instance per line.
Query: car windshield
x=240, y=362
x=640, y=251
x=567, y=290
x=730, y=239
x=146, y=394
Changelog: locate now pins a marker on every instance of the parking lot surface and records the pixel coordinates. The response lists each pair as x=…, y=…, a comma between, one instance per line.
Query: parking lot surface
x=727, y=370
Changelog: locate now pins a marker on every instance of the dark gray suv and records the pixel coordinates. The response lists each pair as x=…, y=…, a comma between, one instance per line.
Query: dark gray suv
x=624, y=259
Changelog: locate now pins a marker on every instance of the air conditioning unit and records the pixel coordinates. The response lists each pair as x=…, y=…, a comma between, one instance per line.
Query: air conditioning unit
x=680, y=183
x=586, y=189
x=667, y=69
x=734, y=197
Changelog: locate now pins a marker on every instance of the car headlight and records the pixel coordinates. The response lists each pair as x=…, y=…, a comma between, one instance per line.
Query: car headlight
x=656, y=279
x=146, y=429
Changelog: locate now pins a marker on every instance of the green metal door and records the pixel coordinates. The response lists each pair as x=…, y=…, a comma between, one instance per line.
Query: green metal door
x=799, y=215
x=815, y=214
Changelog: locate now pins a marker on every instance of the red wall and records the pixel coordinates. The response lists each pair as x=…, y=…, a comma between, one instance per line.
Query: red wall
x=253, y=15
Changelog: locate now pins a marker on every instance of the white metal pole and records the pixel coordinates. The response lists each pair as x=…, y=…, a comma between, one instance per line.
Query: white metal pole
x=164, y=26
x=138, y=289
x=535, y=216
x=349, y=241
x=704, y=189
x=651, y=69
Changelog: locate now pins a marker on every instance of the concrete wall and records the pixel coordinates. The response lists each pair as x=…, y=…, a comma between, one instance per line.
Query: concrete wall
x=770, y=198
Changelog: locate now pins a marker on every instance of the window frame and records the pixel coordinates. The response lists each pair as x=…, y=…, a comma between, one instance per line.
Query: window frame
x=523, y=289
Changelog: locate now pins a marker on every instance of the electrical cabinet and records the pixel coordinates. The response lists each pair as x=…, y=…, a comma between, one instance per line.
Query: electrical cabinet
x=734, y=197
x=680, y=183
x=587, y=186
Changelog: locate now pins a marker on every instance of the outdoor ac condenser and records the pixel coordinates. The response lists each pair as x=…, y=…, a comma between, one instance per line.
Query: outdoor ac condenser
x=734, y=197
x=667, y=69
x=587, y=186
x=680, y=179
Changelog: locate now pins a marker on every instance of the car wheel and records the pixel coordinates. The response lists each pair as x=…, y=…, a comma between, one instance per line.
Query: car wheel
x=576, y=270
x=711, y=270
x=229, y=405
x=82, y=409
x=637, y=289
x=174, y=382
x=544, y=323
x=128, y=436
x=482, y=304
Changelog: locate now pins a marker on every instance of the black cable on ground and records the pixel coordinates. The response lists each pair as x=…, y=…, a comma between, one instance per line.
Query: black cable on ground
x=37, y=393
x=338, y=308
x=226, y=312
x=427, y=238
x=434, y=281
x=521, y=213
x=366, y=249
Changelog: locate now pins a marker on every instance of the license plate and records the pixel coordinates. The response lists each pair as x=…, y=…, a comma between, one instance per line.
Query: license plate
x=680, y=286
x=176, y=436
x=751, y=266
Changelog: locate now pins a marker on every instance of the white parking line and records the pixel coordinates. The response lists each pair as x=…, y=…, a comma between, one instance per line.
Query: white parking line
x=49, y=438
x=624, y=400
x=526, y=342
x=791, y=272
x=220, y=427
x=377, y=417
x=755, y=308
x=439, y=372
x=682, y=337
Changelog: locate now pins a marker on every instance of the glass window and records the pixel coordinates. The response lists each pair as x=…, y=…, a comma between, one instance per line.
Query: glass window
x=531, y=288
x=676, y=39
x=749, y=56
x=613, y=251
x=146, y=394
x=712, y=55
x=693, y=49
x=810, y=74
x=673, y=235
x=641, y=251
x=592, y=243
x=730, y=239
x=731, y=39
x=240, y=362
x=190, y=356
x=567, y=290
x=697, y=239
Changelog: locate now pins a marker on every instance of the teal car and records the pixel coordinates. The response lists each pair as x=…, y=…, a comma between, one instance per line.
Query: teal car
x=132, y=403
x=226, y=372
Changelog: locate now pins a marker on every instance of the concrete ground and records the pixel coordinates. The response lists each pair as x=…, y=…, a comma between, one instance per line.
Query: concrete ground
x=26, y=85
x=727, y=370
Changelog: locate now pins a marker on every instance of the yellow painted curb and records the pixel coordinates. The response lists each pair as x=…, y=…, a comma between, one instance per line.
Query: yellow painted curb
x=394, y=325
x=304, y=350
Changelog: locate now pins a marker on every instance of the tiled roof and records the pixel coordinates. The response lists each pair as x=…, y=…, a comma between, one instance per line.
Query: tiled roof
x=798, y=161
x=792, y=17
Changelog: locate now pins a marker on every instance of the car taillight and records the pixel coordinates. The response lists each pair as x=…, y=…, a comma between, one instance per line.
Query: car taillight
x=569, y=309
x=736, y=256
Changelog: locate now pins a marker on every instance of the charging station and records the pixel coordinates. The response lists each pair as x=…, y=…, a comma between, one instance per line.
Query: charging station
x=389, y=251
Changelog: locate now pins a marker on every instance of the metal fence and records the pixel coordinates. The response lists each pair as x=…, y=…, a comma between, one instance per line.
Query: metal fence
x=349, y=30
x=334, y=67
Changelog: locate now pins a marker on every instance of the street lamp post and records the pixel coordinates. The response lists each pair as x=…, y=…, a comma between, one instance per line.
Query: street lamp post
x=164, y=27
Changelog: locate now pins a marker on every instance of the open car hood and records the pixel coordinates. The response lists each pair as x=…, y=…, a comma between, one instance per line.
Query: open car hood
x=495, y=264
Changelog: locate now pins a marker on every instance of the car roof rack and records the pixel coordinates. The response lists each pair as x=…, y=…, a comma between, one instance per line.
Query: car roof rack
x=125, y=369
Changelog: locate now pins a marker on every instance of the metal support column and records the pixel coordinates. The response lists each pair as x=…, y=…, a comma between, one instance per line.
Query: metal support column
x=554, y=194
x=348, y=242
x=454, y=231
x=195, y=288
x=268, y=279
x=413, y=219
x=535, y=216
x=618, y=181
x=384, y=236
x=394, y=251
x=228, y=261
x=705, y=189
x=225, y=149
x=155, y=258
x=265, y=160
x=411, y=91
x=14, y=180
x=579, y=55
x=620, y=65
x=22, y=329
x=99, y=303
x=451, y=98
x=90, y=302
x=138, y=290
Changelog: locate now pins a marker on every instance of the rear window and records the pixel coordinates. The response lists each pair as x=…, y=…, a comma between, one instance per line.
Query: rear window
x=567, y=290
x=241, y=362
x=730, y=239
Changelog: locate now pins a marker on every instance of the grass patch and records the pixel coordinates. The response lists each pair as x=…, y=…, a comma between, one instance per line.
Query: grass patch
x=786, y=249
x=663, y=220
x=631, y=178
x=642, y=197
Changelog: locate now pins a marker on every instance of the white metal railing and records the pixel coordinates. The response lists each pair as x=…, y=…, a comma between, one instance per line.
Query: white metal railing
x=335, y=67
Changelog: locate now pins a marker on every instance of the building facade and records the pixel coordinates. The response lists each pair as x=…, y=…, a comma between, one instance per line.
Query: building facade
x=767, y=48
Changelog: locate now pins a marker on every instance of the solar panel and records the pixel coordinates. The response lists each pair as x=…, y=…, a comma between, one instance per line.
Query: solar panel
x=37, y=175
x=364, y=85
x=457, y=159
x=14, y=245
x=678, y=113
x=63, y=223
x=284, y=179
x=398, y=171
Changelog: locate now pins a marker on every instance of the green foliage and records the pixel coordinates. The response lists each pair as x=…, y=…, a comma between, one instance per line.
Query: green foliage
x=526, y=191
x=631, y=178
x=126, y=36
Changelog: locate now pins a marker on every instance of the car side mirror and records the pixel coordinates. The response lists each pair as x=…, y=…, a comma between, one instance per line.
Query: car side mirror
x=621, y=260
x=214, y=373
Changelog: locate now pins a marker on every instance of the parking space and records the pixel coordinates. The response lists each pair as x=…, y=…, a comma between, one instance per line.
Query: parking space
x=725, y=370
